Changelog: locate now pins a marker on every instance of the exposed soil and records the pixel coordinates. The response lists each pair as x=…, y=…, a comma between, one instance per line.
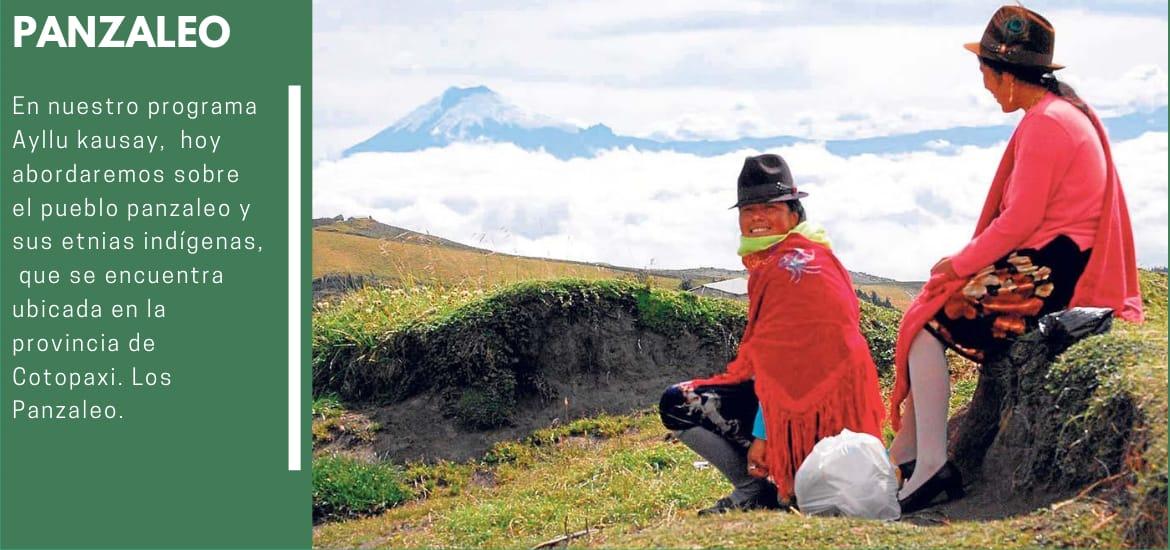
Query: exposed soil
x=585, y=369
x=353, y=434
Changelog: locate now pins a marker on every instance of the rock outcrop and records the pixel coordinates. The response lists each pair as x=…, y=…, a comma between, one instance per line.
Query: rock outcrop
x=1038, y=426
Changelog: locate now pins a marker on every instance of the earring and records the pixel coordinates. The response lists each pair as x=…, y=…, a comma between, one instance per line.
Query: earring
x=1012, y=92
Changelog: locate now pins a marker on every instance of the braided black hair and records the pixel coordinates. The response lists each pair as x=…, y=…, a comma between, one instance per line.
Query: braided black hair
x=1039, y=76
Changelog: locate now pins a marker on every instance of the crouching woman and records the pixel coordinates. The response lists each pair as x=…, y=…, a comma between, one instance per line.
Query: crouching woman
x=803, y=370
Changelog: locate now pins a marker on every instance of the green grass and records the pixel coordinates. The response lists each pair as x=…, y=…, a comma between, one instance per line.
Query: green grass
x=444, y=478
x=1154, y=297
x=363, y=317
x=346, y=487
x=605, y=425
x=668, y=311
x=618, y=476
x=642, y=491
x=635, y=490
x=611, y=470
x=1128, y=365
x=617, y=481
x=962, y=389
x=1131, y=361
x=1073, y=526
x=880, y=327
x=326, y=407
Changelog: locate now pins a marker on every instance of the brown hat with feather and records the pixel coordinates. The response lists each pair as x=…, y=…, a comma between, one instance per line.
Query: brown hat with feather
x=1018, y=36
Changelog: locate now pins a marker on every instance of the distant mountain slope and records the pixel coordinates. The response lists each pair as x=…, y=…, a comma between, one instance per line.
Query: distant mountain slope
x=366, y=247
x=478, y=114
x=369, y=227
x=702, y=273
x=371, y=251
x=719, y=274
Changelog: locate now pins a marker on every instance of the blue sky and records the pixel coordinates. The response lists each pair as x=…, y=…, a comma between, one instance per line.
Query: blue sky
x=708, y=70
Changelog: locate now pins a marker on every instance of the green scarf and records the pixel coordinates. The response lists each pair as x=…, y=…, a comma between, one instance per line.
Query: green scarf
x=814, y=233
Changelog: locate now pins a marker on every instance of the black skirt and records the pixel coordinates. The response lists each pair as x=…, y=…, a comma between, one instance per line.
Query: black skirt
x=1007, y=299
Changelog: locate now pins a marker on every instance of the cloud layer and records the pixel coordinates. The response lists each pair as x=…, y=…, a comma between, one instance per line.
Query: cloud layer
x=890, y=215
x=692, y=69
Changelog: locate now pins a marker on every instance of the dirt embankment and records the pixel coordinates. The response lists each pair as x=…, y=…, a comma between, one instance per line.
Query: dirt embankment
x=535, y=355
x=1076, y=407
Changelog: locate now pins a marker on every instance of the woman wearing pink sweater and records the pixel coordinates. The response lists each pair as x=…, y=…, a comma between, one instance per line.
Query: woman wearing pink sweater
x=1054, y=233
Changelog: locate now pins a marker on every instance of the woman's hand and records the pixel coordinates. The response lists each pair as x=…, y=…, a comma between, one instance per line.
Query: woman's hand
x=943, y=267
x=757, y=463
x=942, y=273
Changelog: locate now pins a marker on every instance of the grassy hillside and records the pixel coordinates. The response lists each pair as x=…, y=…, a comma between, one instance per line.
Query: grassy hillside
x=399, y=257
x=618, y=479
x=900, y=294
x=369, y=227
x=408, y=262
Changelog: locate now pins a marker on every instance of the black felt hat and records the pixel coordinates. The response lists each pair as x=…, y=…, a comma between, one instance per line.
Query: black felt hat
x=1018, y=36
x=766, y=178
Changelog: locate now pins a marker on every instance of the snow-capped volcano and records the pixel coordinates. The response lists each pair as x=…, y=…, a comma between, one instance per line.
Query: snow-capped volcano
x=460, y=113
x=469, y=114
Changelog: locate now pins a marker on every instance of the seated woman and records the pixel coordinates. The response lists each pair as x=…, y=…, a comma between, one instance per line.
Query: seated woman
x=1054, y=233
x=802, y=356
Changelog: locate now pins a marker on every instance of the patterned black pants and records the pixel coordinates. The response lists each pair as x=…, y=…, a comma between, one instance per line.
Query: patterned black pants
x=728, y=411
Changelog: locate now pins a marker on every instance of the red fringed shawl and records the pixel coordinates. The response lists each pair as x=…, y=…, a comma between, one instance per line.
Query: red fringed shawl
x=813, y=372
x=1109, y=280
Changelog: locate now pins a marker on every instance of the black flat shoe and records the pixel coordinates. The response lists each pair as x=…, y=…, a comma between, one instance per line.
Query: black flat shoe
x=947, y=480
x=766, y=500
x=721, y=506
x=907, y=469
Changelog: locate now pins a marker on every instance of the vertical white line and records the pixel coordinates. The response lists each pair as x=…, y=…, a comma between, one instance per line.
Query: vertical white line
x=294, y=279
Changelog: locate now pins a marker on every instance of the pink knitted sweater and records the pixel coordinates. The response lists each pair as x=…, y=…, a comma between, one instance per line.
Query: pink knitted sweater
x=1110, y=278
x=1056, y=186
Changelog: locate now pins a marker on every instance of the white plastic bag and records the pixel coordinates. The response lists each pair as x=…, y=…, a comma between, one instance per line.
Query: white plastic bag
x=848, y=474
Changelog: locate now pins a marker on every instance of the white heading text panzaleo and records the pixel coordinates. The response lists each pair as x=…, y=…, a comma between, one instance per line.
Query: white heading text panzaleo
x=211, y=31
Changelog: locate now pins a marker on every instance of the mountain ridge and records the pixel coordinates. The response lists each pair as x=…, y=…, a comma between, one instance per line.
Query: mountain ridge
x=478, y=114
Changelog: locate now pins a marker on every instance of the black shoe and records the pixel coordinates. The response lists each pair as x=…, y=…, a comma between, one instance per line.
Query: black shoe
x=947, y=480
x=766, y=500
x=721, y=506
x=907, y=469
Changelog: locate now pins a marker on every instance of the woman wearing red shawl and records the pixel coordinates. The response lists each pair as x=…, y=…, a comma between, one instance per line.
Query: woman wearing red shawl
x=1054, y=233
x=802, y=354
